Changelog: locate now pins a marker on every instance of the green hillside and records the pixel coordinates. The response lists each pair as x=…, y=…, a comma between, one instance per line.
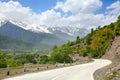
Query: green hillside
x=13, y=44
x=93, y=45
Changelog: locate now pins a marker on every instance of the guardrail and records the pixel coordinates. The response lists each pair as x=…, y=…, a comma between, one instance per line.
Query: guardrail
x=14, y=71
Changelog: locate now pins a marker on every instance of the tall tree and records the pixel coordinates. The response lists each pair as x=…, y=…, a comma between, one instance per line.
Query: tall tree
x=78, y=39
x=54, y=47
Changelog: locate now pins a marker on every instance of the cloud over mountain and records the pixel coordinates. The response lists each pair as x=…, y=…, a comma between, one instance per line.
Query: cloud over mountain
x=78, y=13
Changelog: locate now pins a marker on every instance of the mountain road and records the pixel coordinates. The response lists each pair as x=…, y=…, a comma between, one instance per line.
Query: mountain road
x=77, y=72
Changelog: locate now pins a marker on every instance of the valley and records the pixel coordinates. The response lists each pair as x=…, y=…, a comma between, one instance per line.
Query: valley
x=59, y=39
x=43, y=39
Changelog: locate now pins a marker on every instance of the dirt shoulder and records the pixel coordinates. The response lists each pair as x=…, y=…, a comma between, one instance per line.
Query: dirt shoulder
x=112, y=71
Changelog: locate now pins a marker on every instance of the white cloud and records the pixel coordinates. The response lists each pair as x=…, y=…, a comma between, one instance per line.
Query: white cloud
x=77, y=6
x=82, y=13
x=15, y=11
x=114, y=8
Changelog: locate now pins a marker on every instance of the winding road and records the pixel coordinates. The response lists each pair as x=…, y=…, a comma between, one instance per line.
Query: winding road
x=77, y=72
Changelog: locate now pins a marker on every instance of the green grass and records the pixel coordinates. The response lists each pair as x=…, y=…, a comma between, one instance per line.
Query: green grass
x=113, y=75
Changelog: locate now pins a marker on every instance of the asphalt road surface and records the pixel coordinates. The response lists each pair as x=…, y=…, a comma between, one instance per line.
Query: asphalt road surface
x=77, y=72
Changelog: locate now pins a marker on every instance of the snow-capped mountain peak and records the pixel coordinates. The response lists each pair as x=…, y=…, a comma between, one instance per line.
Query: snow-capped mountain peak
x=72, y=31
x=3, y=21
x=68, y=30
x=36, y=28
x=33, y=27
x=20, y=24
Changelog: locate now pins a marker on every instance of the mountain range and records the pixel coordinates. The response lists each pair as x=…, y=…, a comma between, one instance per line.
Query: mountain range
x=35, y=37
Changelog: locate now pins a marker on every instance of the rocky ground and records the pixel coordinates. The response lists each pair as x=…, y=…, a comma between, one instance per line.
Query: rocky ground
x=111, y=72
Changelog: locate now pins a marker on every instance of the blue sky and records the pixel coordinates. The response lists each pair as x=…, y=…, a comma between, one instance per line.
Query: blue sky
x=105, y=4
x=78, y=13
x=43, y=5
x=37, y=5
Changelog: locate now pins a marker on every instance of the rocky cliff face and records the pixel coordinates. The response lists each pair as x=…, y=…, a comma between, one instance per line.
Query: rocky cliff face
x=111, y=72
x=113, y=51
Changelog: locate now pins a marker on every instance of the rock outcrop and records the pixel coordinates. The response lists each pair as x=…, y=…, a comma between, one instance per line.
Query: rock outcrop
x=113, y=51
x=111, y=72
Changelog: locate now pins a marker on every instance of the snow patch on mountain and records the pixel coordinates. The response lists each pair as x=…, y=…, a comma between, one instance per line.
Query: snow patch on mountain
x=20, y=24
x=2, y=22
x=71, y=31
x=38, y=29
x=33, y=28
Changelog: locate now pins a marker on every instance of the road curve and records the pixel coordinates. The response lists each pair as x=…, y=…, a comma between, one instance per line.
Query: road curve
x=77, y=72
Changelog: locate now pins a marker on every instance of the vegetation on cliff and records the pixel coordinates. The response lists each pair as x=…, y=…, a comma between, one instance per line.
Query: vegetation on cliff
x=93, y=45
